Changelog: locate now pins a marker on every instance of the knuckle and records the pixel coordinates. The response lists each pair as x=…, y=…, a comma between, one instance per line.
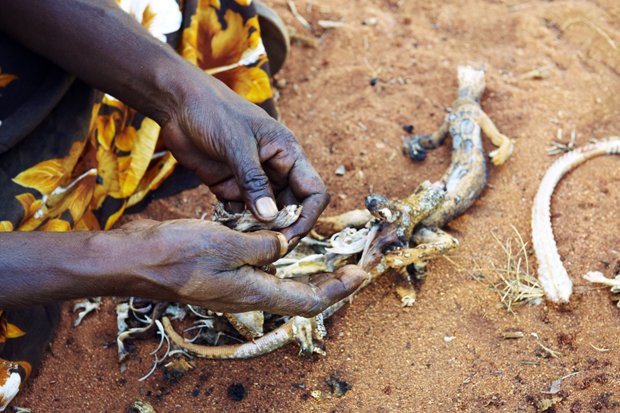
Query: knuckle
x=314, y=305
x=254, y=179
x=264, y=244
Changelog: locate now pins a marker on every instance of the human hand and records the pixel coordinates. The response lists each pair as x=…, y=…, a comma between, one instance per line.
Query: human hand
x=242, y=153
x=206, y=264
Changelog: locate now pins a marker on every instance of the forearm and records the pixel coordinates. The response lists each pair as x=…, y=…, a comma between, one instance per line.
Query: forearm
x=42, y=267
x=102, y=45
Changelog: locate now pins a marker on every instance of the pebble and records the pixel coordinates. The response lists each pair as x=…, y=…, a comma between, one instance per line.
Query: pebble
x=236, y=392
x=341, y=170
x=370, y=21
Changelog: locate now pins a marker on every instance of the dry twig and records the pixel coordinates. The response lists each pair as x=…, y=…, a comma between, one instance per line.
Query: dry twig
x=301, y=19
x=597, y=29
x=517, y=285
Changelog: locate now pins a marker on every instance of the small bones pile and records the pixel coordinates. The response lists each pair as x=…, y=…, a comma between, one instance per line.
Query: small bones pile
x=551, y=273
x=392, y=235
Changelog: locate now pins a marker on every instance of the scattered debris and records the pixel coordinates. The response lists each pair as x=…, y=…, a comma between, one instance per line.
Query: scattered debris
x=87, y=306
x=599, y=278
x=176, y=311
x=338, y=387
x=236, y=392
x=556, y=384
x=601, y=32
x=548, y=351
x=600, y=349
x=140, y=406
x=557, y=147
x=370, y=21
x=301, y=39
x=320, y=395
x=374, y=73
x=330, y=24
x=538, y=73
x=298, y=16
x=545, y=404
x=175, y=370
x=341, y=170
x=508, y=335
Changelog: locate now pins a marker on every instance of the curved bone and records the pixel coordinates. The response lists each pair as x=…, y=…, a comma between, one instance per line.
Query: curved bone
x=262, y=345
x=551, y=273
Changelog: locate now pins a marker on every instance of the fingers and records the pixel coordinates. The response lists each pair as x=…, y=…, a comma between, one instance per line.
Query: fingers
x=287, y=165
x=308, y=187
x=290, y=297
x=262, y=247
x=255, y=187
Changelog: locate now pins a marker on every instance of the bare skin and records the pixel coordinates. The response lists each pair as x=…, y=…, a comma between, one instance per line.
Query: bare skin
x=240, y=152
x=188, y=261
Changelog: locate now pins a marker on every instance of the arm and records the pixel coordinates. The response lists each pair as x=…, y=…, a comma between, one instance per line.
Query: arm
x=227, y=141
x=188, y=261
x=103, y=46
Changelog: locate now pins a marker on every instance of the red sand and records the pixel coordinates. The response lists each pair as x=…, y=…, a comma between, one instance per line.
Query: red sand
x=396, y=359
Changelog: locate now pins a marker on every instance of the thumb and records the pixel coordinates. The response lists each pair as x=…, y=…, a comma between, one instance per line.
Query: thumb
x=254, y=183
x=263, y=247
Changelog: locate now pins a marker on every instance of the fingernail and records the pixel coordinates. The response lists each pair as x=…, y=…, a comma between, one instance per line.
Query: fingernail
x=266, y=208
x=283, y=244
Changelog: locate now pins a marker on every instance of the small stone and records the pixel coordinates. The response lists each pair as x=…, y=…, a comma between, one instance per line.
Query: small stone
x=373, y=80
x=448, y=339
x=341, y=170
x=339, y=387
x=236, y=392
x=408, y=128
x=370, y=21
x=280, y=83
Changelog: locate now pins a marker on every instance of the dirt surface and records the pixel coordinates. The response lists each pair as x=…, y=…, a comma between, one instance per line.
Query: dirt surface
x=397, y=359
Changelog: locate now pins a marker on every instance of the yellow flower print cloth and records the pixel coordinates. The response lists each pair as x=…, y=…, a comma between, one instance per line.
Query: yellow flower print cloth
x=72, y=158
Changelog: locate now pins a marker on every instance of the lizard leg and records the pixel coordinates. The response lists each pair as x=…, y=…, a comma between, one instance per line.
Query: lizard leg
x=404, y=287
x=417, y=146
x=430, y=243
x=503, y=142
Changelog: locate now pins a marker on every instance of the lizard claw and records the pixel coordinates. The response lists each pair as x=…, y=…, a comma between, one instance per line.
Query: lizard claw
x=500, y=155
x=414, y=148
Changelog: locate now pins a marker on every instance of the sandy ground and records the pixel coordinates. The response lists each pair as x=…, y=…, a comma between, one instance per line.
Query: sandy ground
x=396, y=359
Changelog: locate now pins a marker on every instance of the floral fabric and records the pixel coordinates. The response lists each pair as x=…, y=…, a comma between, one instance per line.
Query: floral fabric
x=72, y=158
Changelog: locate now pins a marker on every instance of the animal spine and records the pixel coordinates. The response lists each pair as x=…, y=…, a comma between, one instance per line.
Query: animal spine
x=551, y=273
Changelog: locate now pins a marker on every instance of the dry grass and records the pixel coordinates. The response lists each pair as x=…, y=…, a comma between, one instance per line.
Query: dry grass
x=513, y=281
x=517, y=284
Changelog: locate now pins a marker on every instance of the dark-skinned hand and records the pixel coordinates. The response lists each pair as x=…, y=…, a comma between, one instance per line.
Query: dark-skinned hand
x=207, y=264
x=243, y=154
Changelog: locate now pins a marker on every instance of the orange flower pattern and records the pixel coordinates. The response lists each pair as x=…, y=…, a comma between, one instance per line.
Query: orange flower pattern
x=120, y=159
